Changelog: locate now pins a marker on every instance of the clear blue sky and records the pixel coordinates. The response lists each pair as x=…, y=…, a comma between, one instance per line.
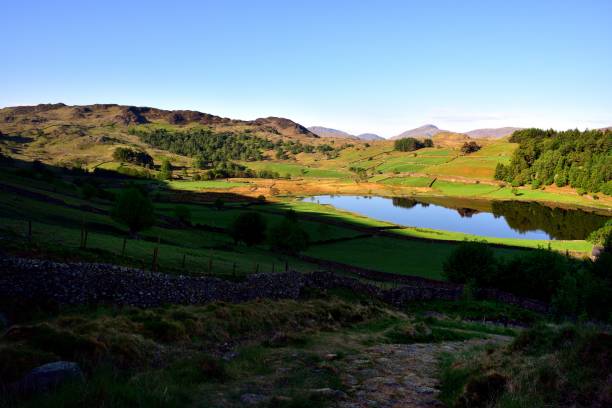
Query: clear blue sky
x=360, y=66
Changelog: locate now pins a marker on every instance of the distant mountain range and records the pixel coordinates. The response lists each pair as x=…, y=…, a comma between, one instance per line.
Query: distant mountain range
x=427, y=131
x=329, y=132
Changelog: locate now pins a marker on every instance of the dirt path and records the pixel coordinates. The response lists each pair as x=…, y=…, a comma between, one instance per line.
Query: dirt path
x=399, y=375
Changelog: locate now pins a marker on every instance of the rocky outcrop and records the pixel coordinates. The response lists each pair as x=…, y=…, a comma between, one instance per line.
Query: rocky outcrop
x=47, y=377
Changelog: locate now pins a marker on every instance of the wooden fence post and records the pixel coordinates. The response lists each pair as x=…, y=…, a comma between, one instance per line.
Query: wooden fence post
x=256, y=268
x=286, y=266
x=183, y=264
x=154, y=263
x=82, y=235
x=123, y=247
x=85, y=239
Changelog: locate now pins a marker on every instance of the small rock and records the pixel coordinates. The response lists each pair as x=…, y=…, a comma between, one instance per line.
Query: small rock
x=253, y=399
x=229, y=356
x=328, y=393
x=330, y=356
x=4, y=321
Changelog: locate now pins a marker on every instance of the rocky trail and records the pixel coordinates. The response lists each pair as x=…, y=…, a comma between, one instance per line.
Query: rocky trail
x=400, y=375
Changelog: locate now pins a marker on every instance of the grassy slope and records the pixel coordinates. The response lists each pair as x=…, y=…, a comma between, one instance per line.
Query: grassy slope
x=419, y=258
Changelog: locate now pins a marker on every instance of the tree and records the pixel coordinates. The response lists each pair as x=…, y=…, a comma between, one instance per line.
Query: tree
x=165, y=170
x=133, y=209
x=199, y=162
x=288, y=236
x=248, y=227
x=471, y=262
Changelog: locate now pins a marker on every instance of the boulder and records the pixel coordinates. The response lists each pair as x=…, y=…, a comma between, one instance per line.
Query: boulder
x=48, y=376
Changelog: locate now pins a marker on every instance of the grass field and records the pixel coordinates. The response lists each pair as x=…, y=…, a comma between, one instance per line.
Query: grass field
x=418, y=258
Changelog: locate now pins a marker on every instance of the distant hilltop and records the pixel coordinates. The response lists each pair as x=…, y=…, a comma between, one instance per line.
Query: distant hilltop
x=420, y=132
x=329, y=132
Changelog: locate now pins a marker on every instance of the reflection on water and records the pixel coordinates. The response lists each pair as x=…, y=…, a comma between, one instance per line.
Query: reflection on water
x=501, y=219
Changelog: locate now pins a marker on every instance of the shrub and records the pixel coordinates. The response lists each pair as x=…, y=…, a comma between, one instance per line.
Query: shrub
x=471, y=261
x=183, y=213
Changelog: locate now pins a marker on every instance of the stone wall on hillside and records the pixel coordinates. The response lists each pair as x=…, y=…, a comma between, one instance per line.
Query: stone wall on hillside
x=94, y=283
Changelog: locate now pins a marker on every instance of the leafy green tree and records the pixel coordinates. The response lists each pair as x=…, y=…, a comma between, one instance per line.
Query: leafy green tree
x=165, y=170
x=288, y=236
x=248, y=227
x=133, y=209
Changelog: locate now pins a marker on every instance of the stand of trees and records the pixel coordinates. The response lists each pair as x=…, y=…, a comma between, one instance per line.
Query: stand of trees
x=125, y=154
x=582, y=160
x=470, y=147
x=410, y=144
x=209, y=147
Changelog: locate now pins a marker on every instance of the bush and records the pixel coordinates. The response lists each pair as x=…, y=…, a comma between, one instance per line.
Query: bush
x=183, y=213
x=602, y=236
x=249, y=227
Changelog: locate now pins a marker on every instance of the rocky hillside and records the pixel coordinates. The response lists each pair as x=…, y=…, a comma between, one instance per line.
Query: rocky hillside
x=47, y=115
x=58, y=133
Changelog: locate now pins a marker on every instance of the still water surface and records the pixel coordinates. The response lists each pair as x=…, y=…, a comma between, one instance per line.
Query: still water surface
x=500, y=219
